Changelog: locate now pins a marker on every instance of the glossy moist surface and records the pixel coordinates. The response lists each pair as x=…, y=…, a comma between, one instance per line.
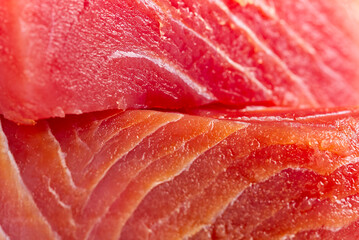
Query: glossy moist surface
x=72, y=56
x=154, y=175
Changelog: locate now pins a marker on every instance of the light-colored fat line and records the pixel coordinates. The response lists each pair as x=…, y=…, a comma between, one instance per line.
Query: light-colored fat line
x=20, y=181
x=201, y=90
x=62, y=158
x=188, y=165
x=241, y=25
x=275, y=173
x=299, y=169
x=3, y=235
x=111, y=137
x=178, y=117
x=225, y=56
x=61, y=203
x=291, y=119
x=219, y=213
x=57, y=197
x=306, y=46
x=99, y=219
x=82, y=142
x=339, y=113
x=246, y=71
x=233, y=200
x=270, y=12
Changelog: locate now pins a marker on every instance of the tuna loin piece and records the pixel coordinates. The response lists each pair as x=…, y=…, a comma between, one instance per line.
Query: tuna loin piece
x=143, y=174
x=74, y=56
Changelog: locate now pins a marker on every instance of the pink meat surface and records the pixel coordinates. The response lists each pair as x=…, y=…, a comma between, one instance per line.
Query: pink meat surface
x=198, y=120
x=73, y=56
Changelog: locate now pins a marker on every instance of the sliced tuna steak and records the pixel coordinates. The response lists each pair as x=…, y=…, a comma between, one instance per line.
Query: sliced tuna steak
x=74, y=56
x=144, y=174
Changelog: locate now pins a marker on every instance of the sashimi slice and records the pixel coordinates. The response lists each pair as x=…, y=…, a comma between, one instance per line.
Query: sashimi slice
x=142, y=174
x=74, y=56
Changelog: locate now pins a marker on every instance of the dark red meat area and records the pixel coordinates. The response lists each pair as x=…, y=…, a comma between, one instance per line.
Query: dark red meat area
x=59, y=57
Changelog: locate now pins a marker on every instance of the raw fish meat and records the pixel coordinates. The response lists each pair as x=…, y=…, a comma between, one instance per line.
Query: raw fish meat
x=142, y=174
x=73, y=56
x=253, y=132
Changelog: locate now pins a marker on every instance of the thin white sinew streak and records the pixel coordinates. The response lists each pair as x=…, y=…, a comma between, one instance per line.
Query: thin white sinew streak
x=62, y=159
x=201, y=90
x=218, y=50
x=240, y=24
x=20, y=182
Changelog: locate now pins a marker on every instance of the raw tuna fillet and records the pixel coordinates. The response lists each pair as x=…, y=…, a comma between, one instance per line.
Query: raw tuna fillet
x=143, y=174
x=76, y=56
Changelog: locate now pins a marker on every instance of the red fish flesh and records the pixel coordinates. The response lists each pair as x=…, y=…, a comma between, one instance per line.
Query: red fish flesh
x=154, y=175
x=74, y=56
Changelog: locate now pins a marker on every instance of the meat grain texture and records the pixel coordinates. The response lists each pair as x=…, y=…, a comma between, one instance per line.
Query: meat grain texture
x=255, y=133
x=73, y=56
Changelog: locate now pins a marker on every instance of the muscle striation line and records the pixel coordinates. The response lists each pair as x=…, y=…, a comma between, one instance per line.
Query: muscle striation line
x=294, y=231
x=111, y=137
x=26, y=192
x=62, y=204
x=57, y=197
x=274, y=173
x=216, y=49
x=102, y=175
x=305, y=45
x=80, y=141
x=201, y=90
x=62, y=158
x=140, y=170
x=172, y=170
x=246, y=71
x=241, y=25
x=94, y=188
x=322, y=18
x=143, y=169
